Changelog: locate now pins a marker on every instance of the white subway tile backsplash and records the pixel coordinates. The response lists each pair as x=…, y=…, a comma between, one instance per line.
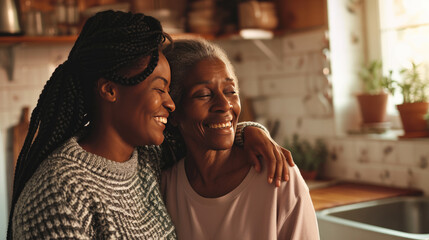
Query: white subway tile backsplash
x=289, y=125
x=315, y=62
x=286, y=85
x=368, y=151
x=249, y=86
x=406, y=154
x=304, y=42
x=259, y=106
x=4, y=78
x=291, y=106
x=295, y=64
x=398, y=176
x=4, y=97
x=318, y=127
x=343, y=150
x=418, y=178
x=389, y=152
x=422, y=155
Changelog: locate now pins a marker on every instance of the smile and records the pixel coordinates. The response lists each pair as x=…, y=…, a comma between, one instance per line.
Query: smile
x=220, y=125
x=161, y=120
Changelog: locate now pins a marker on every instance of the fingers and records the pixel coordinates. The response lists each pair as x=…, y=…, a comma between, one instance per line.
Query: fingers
x=288, y=156
x=285, y=163
x=280, y=160
x=271, y=161
x=285, y=172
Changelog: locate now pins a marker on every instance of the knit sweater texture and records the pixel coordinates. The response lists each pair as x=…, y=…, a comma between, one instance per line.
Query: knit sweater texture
x=78, y=195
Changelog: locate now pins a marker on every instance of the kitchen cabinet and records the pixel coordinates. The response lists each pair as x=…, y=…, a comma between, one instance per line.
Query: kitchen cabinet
x=302, y=14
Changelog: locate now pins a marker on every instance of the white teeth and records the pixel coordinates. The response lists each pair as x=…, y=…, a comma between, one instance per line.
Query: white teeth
x=161, y=119
x=220, y=125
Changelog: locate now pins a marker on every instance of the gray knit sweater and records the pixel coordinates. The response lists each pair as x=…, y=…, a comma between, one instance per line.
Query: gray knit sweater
x=78, y=195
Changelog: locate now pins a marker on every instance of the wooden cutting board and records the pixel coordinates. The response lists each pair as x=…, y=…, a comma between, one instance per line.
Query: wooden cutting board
x=19, y=133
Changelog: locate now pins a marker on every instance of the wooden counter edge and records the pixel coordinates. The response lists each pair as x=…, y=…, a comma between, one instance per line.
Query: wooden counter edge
x=345, y=193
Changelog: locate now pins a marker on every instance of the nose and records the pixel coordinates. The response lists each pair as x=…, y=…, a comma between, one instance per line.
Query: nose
x=168, y=103
x=221, y=103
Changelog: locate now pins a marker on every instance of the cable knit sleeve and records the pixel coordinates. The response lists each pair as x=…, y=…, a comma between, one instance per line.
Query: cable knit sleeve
x=239, y=135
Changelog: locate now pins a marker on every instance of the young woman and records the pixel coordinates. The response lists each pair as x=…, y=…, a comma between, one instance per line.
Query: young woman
x=80, y=173
x=213, y=193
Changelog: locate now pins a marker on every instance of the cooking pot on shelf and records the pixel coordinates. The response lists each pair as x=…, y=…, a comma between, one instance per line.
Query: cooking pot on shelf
x=9, y=19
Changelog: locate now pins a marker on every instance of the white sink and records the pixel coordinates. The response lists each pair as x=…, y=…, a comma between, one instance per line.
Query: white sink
x=386, y=219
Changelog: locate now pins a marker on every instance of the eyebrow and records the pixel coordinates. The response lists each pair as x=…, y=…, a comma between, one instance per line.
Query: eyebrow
x=163, y=79
x=208, y=82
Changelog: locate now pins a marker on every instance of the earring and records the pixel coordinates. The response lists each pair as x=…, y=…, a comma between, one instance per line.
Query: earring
x=114, y=99
x=230, y=105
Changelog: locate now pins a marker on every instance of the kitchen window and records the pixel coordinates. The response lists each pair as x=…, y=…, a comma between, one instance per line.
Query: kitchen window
x=397, y=33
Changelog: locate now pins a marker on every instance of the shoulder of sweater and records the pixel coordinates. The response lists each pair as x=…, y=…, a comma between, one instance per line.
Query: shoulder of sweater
x=52, y=180
x=61, y=174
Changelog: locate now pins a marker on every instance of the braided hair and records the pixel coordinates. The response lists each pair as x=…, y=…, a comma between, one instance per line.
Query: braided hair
x=110, y=43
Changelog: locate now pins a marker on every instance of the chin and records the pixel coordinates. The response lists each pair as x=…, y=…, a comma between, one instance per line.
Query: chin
x=159, y=140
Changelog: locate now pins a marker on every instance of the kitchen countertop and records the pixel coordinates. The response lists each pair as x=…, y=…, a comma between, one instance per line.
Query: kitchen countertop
x=342, y=193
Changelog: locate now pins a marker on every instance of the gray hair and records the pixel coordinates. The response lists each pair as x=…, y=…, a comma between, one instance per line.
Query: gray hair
x=183, y=54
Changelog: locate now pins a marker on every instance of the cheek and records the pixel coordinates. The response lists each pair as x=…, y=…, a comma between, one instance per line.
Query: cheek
x=149, y=103
x=236, y=107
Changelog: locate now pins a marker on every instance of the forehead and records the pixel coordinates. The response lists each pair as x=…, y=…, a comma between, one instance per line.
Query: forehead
x=207, y=70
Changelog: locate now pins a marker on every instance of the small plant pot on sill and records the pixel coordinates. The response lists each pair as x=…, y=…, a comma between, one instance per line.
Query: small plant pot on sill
x=412, y=118
x=373, y=107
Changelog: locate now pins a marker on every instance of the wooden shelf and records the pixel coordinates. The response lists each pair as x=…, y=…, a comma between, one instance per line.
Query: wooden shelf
x=8, y=40
x=37, y=39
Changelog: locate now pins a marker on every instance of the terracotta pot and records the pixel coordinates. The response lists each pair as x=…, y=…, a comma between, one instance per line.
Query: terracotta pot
x=308, y=175
x=412, y=118
x=373, y=107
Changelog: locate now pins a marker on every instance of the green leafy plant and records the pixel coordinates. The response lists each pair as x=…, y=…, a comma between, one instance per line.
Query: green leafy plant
x=414, y=86
x=373, y=80
x=307, y=156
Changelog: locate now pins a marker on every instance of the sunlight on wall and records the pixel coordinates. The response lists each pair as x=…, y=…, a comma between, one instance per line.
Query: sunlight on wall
x=347, y=54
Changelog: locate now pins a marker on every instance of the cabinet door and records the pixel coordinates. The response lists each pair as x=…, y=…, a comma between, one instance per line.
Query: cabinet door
x=302, y=14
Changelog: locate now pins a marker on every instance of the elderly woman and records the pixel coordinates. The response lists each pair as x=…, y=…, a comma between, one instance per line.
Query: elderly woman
x=213, y=193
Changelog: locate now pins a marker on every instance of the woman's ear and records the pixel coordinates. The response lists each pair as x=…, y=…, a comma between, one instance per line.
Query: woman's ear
x=107, y=90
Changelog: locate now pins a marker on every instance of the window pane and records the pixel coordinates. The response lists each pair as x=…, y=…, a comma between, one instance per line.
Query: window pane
x=404, y=36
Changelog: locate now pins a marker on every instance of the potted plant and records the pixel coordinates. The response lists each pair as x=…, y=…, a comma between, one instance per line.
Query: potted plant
x=415, y=102
x=376, y=87
x=308, y=157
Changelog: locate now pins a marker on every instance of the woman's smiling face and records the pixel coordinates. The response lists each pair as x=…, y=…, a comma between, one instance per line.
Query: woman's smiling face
x=143, y=109
x=210, y=106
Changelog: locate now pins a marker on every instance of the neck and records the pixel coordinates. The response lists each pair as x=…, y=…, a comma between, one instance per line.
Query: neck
x=214, y=173
x=208, y=165
x=100, y=140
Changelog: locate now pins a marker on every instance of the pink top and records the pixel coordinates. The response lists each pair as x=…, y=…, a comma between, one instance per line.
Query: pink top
x=254, y=210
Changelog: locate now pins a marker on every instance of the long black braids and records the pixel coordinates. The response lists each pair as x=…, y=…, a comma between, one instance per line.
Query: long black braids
x=108, y=43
